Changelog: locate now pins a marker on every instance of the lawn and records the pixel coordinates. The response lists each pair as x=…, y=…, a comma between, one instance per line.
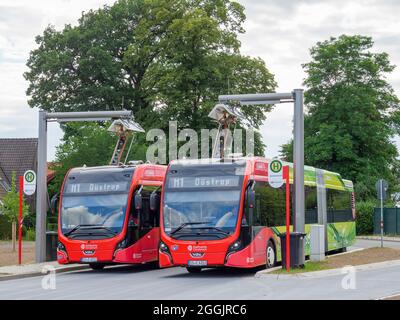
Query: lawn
x=366, y=256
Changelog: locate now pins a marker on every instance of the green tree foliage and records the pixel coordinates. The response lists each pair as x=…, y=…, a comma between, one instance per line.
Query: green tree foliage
x=10, y=206
x=352, y=113
x=147, y=56
x=163, y=59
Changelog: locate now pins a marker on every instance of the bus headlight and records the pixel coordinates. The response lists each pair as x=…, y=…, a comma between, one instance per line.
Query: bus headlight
x=120, y=245
x=61, y=247
x=236, y=246
x=164, y=248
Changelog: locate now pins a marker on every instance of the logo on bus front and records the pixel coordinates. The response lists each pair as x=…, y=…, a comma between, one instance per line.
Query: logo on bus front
x=88, y=246
x=197, y=248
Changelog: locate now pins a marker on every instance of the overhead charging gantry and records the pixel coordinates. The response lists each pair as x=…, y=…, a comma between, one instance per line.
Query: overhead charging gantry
x=227, y=112
x=123, y=124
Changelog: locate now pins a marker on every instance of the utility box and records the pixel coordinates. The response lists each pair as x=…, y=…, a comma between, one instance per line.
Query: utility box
x=317, y=237
x=297, y=258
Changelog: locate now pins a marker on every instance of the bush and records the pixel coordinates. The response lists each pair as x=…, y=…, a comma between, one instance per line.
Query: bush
x=30, y=235
x=365, y=217
x=5, y=228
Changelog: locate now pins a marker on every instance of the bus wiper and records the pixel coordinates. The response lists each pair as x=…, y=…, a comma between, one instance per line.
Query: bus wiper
x=88, y=226
x=187, y=224
x=79, y=226
x=215, y=228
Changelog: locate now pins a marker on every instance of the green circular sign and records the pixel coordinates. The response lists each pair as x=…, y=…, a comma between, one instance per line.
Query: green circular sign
x=29, y=177
x=276, y=166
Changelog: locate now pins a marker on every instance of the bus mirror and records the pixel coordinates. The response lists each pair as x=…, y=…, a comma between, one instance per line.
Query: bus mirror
x=54, y=203
x=154, y=201
x=138, y=201
x=251, y=198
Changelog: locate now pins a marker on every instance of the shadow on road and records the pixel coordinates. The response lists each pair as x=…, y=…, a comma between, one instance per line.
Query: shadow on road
x=119, y=269
x=216, y=273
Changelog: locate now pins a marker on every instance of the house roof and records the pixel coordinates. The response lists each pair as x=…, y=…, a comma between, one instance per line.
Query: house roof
x=16, y=155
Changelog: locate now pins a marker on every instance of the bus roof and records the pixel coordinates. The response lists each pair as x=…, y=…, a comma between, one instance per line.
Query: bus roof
x=145, y=173
x=333, y=180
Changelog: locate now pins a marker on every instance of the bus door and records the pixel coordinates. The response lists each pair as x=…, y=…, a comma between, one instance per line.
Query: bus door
x=148, y=223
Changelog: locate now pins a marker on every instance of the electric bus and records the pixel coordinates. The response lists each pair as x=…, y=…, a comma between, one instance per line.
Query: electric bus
x=110, y=215
x=222, y=212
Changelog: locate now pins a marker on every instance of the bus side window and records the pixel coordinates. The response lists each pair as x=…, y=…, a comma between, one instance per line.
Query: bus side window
x=272, y=205
x=311, y=205
x=339, y=206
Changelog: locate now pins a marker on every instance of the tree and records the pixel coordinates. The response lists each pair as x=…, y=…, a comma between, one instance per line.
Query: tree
x=163, y=59
x=352, y=113
x=140, y=54
x=10, y=207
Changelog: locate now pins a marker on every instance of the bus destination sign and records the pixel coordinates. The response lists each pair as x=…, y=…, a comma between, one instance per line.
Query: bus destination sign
x=203, y=182
x=97, y=187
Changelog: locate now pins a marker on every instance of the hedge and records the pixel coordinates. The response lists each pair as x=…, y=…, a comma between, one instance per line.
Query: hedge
x=365, y=217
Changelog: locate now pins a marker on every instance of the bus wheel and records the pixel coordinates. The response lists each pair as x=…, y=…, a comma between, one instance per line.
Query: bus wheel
x=271, y=255
x=193, y=270
x=97, y=266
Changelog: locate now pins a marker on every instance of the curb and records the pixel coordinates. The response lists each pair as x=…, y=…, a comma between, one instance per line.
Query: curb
x=377, y=238
x=37, y=273
x=331, y=272
x=390, y=296
x=260, y=273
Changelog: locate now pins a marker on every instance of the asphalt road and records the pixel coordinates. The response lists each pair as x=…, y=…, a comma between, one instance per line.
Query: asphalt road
x=146, y=282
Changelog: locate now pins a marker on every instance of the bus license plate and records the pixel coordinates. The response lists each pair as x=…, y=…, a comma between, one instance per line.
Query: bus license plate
x=197, y=263
x=89, y=259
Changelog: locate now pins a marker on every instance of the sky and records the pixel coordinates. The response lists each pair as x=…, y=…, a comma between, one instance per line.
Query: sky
x=281, y=32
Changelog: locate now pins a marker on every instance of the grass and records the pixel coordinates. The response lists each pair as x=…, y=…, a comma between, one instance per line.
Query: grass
x=309, y=266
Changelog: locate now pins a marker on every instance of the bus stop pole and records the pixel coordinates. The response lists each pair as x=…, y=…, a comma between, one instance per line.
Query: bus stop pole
x=381, y=183
x=41, y=194
x=298, y=161
x=287, y=179
x=21, y=190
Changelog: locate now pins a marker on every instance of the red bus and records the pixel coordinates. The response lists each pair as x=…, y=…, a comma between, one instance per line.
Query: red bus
x=222, y=212
x=110, y=215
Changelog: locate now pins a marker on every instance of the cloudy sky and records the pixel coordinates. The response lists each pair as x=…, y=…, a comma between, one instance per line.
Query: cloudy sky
x=279, y=31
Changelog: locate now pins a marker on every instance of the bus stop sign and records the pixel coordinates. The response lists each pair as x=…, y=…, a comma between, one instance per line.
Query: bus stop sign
x=275, y=173
x=29, y=182
x=381, y=188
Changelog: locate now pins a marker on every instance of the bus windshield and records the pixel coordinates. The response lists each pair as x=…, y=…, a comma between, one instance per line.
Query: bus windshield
x=211, y=211
x=105, y=210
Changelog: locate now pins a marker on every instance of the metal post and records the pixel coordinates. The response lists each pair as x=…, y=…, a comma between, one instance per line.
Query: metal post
x=298, y=162
x=41, y=193
x=381, y=183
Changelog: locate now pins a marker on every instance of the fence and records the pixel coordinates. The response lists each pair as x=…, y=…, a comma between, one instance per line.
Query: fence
x=391, y=221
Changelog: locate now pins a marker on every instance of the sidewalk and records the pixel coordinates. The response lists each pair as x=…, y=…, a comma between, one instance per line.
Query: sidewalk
x=36, y=269
x=395, y=239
